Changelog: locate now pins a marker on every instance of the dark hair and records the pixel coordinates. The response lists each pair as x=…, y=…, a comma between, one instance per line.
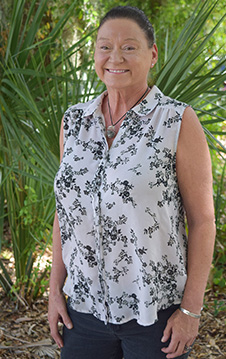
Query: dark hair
x=135, y=14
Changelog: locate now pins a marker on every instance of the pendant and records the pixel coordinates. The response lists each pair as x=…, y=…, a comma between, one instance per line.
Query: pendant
x=110, y=132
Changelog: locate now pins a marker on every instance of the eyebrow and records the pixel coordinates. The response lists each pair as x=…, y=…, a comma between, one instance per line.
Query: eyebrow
x=128, y=39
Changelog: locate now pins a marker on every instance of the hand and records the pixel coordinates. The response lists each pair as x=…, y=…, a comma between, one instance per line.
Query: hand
x=182, y=330
x=58, y=313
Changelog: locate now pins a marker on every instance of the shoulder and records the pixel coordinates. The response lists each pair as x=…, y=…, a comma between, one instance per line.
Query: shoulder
x=192, y=148
x=164, y=107
x=78, y=114
x=78, y=109
x=168, y=110
x=85, y=109
x=191, y=128
x=167, y=102
x=75, y=114
x=171, y=103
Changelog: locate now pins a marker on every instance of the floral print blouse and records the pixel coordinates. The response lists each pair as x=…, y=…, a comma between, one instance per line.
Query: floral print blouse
x=120, y=211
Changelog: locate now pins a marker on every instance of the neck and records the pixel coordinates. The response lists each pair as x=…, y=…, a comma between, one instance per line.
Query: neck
x=122, y=100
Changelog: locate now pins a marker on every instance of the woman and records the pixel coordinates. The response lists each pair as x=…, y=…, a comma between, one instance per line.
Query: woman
x=131, y=161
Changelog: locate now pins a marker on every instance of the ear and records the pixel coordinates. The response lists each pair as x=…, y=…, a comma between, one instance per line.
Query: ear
x=154, y=58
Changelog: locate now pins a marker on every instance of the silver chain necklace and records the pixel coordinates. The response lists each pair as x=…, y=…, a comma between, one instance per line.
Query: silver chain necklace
x=111, y=131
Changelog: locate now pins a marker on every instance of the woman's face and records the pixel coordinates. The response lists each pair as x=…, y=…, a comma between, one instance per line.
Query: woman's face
x=122, y=56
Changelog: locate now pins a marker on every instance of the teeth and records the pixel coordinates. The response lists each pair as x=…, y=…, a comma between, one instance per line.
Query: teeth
x=117, y=71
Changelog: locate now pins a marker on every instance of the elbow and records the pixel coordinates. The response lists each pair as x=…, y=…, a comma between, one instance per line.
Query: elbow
x=203, y=222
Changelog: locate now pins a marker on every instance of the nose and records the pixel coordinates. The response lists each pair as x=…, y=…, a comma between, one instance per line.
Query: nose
x=116, y=56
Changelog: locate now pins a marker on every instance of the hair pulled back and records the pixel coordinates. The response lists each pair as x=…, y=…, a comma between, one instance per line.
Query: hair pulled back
x=135, y=14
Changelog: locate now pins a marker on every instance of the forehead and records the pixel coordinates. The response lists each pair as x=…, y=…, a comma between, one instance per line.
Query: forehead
x=121, y=28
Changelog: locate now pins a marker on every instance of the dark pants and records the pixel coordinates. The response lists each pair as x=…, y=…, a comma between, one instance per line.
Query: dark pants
x=90, y=338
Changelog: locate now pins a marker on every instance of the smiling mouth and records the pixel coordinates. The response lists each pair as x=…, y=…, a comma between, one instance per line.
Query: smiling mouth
x=117, y=71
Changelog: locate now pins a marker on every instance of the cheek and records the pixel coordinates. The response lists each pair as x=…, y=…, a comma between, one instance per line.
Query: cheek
x=98, y=68
x=99, y=59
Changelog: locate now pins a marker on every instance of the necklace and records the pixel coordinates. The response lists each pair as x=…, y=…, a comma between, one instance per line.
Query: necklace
x=111, y=132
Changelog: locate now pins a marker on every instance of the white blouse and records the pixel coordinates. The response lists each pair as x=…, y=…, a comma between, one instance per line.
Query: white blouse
x=120, y=211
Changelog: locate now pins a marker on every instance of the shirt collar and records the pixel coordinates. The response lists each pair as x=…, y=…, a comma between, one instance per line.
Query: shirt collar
x=94, y=105
x=149, y=102
x=142, y=109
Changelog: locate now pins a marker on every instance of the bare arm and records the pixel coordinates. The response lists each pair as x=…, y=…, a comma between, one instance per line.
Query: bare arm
x=58, y=272
x=57, y=305
x=195, y=183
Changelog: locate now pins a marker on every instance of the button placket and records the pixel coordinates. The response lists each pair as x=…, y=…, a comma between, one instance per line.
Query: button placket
x=96, y=202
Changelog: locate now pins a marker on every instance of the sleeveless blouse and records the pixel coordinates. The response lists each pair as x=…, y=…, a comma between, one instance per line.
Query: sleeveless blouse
x=120, y=211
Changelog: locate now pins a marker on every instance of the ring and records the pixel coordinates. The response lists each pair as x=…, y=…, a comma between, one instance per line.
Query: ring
x=188, y=347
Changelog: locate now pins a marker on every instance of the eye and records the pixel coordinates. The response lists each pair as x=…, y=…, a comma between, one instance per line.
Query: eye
x=105, y=47
x=129, y=48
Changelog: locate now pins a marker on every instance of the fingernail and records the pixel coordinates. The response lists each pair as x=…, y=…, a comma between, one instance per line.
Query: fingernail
x=69, y=326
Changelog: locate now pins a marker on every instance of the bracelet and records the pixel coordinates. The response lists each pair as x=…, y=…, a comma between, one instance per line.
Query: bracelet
x=193, y=315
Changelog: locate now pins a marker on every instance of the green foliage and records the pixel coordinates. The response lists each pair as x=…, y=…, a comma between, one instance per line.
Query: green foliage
x=219, y=306
x=34, y=77
x=219, y=279
x=219, y=270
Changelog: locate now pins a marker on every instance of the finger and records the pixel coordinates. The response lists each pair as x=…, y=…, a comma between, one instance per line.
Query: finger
x=166, y=333
x=59, y=341
x=188, y=346
x=173, y=344
x=172, y=347
x=56, y=335
x=176, y=353
x=66, y=319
